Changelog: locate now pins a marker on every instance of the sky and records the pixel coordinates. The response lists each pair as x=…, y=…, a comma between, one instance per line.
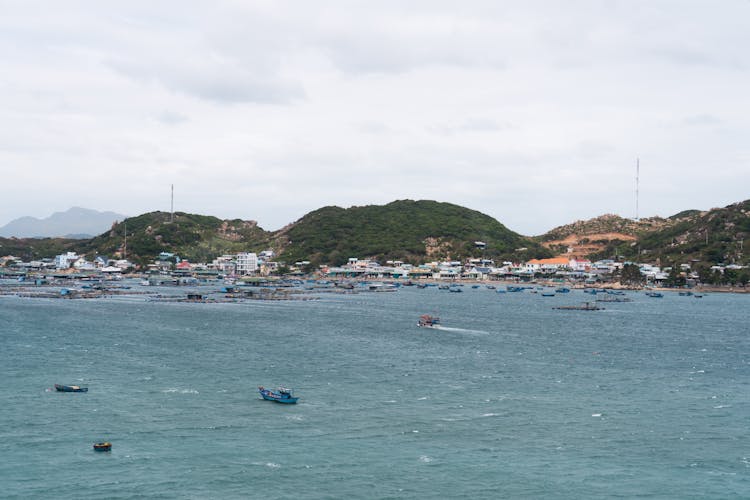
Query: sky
x=532, y=112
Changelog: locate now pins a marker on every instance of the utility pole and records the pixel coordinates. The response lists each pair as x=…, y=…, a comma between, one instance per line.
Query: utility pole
x=125, y=243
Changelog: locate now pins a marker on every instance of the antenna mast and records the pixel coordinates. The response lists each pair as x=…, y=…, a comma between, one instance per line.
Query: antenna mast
x=637, y=175
x=171, y=212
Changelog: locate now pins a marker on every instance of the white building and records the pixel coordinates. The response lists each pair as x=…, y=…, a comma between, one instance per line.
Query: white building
x=247, y=263
x=224, y=264
x=64, y=261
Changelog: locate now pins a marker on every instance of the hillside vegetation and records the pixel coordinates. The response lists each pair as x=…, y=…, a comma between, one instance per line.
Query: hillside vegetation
x=712, y=237
x=411, y=231
x=198, y=238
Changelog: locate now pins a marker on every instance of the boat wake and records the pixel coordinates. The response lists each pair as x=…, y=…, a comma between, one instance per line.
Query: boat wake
x=460, y=330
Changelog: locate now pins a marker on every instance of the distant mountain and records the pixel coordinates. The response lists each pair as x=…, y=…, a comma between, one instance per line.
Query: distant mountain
x=79, y=223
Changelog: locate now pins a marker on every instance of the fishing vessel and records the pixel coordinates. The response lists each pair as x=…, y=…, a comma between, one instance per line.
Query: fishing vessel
x=586, y=306
x=427, y=321
x=70, y=388
x=280, y=395
x=105, y=446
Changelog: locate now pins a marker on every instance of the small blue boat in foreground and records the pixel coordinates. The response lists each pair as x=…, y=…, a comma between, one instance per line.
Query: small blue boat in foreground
x=281, y=395
x=71, y=388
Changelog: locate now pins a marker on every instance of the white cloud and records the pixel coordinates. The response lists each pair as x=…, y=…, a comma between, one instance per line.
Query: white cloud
x=532, y=112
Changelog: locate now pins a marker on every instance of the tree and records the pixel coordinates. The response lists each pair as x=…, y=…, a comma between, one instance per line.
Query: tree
x=631, y=275
x=675, y=277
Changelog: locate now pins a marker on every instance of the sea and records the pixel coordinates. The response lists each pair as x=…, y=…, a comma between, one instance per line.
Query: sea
x=510, y=398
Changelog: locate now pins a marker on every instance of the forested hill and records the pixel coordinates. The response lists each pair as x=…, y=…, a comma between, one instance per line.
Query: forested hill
x=415, y=232
x=198, y=238
x=407, y=230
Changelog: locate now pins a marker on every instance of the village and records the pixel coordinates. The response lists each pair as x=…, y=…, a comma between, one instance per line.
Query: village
x=257, y=266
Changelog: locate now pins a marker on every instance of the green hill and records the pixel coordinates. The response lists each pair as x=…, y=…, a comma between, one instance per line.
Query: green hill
x=198, y=238
x=411, y=231
x=29, y=249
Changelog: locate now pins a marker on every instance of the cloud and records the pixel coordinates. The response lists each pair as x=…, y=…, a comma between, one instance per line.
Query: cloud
x=172, y=117
x=216, y=81
x=265, y=110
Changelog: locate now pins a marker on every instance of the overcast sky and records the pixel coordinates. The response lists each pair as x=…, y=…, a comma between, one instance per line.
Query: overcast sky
x=533, y=112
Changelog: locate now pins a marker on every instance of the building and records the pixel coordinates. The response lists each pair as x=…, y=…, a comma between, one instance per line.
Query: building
x=64, y=261
x=247, y=263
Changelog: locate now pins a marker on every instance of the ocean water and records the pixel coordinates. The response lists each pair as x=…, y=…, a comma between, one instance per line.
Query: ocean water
x=510, y=399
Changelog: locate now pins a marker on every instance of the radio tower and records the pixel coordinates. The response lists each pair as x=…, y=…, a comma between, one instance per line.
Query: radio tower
x=637, y=175
x=171, y=208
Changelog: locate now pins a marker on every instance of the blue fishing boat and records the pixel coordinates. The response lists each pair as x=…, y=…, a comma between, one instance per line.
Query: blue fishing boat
x=70, y=388
x=280, y=395
x=657, y=295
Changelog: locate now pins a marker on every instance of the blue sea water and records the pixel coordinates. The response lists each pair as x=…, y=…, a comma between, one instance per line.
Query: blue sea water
x=510, y=399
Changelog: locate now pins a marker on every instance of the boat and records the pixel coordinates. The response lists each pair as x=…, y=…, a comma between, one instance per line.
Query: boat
x=655, y=294
x=455, y=289
x=586, y=306
x=71, y=388
x=105, y=446
x=427, y=321
x=562, y=289
x=280, y=395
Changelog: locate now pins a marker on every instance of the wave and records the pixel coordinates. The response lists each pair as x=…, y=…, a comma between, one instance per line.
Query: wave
x=180, y=391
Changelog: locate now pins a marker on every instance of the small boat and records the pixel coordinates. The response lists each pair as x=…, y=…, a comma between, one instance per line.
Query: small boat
x=657, y=295
x=586, y=306
x=490, y=287
x=427, y=321
x=70, y=388
x=455, y=289
x=280, y=395
x=105, y=446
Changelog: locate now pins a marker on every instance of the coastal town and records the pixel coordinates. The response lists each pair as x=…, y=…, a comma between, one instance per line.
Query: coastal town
x=263, y=266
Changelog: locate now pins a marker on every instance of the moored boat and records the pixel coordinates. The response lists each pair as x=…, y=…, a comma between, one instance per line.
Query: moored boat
x=427, y=321
x=280, y=395
x=70, y=388
x=105, y=446
x=586, y=306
